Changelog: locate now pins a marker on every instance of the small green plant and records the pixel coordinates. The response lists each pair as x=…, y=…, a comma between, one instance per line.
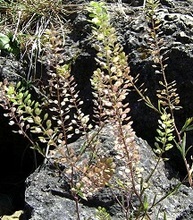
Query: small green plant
x=165, y=131
x=9, y=44
x=102, y=214
x=54, y=120
x=112, y=81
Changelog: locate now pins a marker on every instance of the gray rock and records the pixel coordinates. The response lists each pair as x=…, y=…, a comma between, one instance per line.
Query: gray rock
x=48, y=198
x=11, y=69
x=45, y=194
x=177, y=22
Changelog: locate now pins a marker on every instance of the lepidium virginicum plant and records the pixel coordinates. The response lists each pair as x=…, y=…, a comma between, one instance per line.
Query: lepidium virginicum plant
x=111, y=83
x=54, y=120
x=58, y=116
x=169, y=134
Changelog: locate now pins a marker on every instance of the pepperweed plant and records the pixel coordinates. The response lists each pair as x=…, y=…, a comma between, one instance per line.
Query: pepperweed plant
x=169, y=135
x=51, y=122
x=58, y=116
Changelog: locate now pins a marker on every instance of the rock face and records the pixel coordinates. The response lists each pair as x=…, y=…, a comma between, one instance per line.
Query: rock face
x=17, y=160
x=47, y=198
x=176, y=30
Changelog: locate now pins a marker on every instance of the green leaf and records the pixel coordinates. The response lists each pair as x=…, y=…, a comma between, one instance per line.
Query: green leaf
x=145, y=203
x=4, y=42
x=183, y=146
x=189, y=128
x=188, y=149
x=186, y=125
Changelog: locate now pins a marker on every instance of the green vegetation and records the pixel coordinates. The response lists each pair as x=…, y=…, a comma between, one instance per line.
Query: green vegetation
x=50, y=122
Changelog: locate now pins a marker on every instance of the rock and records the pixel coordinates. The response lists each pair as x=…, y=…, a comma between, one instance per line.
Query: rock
x=177, y=31
x=11, y=69
x=47, y=197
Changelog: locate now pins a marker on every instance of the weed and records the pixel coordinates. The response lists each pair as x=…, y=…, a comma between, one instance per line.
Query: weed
x=169, y=134
x=49, y=124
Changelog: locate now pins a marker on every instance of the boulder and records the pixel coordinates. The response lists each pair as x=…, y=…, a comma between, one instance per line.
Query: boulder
x=47, y=195
x=176, y=30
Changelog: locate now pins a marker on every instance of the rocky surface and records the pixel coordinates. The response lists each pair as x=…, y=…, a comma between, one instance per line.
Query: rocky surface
x=176, y=18
x=47, y=198
x=44, y=195
x=11, y=69
x=177, y=23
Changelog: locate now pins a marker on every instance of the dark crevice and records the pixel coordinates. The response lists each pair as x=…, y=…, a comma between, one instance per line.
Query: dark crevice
x=16, y=163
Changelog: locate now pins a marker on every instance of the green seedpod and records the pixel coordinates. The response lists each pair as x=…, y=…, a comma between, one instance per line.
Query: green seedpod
x=18, y=85
x=42, y=139
x=156, y=145
x=48, y=124
x=163, y=140
x=28, y=109
x=36, y=130
x=36, y=105
x=37, y=120
x=29, y=102
x=48, y=132
x=30, y=120
x=32, y=103
x=37, y=111
x=158, y=151
x=168, y=147
x=45, y=116
x=27, y=98
x=26, y=93
x=171, y=138
x=20, y=95
x=168, y=131
x=165, y=117
x=158, y=139
x=161, y=134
